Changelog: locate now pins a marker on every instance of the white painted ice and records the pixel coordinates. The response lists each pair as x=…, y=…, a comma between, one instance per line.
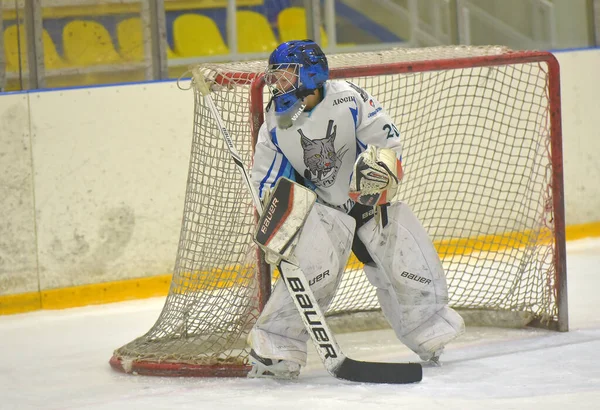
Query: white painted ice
x=59, y=360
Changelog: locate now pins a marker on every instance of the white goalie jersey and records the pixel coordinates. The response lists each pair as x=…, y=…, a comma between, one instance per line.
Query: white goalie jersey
x=323, y=144
x=322, y=147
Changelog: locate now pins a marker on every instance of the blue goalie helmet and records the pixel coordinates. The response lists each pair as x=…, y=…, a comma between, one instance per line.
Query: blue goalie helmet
x=296, y=69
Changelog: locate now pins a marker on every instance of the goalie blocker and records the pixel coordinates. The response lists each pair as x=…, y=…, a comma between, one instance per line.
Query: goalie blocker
x=284, y=215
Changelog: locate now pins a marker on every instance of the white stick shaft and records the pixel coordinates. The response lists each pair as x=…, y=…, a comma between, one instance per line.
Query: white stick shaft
x=296, y=281
x=312, y=316
x=234, y=153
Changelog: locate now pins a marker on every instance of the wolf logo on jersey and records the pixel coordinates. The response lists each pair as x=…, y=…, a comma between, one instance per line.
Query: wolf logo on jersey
x=321, y=158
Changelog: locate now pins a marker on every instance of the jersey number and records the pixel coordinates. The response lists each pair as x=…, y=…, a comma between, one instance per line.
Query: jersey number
x=391, y=130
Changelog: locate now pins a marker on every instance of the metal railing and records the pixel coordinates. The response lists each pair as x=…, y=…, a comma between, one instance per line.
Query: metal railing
x=2, y=57
x=543, y=25
x=34, y=74
x=425, y=23
x=435, y=31
x=431, y=21
x=596, y=21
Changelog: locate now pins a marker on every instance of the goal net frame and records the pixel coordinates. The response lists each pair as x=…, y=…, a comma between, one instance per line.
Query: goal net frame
x=164, y=365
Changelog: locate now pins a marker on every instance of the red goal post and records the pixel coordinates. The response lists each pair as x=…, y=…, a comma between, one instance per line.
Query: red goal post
x=483, y=172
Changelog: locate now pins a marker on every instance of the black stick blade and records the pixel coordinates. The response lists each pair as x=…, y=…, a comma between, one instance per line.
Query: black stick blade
x=369, y=372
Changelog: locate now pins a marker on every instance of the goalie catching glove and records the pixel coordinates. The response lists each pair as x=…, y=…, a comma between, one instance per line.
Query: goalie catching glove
x=377, y=172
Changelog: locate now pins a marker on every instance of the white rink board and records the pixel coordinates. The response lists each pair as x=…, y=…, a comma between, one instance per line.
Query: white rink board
x=110, y=168
x=580, y=88
x=18, y=268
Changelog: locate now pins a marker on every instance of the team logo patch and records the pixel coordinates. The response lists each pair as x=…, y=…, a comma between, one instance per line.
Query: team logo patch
x=320, y=157
x=372, y=113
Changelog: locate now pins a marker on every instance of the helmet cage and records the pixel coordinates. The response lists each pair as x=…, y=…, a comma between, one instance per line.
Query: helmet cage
x=283, y=78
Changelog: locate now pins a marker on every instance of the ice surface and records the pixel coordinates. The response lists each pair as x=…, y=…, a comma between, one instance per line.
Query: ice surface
x=59, y=360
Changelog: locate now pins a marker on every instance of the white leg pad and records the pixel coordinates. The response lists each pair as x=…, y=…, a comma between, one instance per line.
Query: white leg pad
x=428, y=339
x=410, y=281
x=322, y=251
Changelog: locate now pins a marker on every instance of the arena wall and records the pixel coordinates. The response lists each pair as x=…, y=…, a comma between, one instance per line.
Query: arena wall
x=92, y=184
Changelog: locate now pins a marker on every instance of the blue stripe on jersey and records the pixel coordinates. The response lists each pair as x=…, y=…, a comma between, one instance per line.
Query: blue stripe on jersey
x=285, y=170
x=262, y=183
x=358, y=149
x=354, y=112
x=274, y=138
x=361, y=147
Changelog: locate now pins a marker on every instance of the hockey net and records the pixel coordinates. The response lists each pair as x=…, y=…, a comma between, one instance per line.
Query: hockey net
x=483, y=172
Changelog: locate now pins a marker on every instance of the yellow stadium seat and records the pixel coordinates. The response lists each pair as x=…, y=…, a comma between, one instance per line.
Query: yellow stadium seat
x=171, y=54
x=130, y=35
x=131, y=39
x=88, y=43
x=292, y=25
x=11, y=50
x=197, y=35
x=254, y=33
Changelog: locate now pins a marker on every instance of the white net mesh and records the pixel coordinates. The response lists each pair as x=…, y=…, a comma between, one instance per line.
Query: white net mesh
x=476, y=128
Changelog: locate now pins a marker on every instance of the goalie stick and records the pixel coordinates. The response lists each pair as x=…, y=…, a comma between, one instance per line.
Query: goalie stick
x=334, y=360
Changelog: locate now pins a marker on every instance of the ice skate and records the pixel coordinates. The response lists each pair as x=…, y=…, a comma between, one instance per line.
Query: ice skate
x=272, y=369
x=432, y=360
